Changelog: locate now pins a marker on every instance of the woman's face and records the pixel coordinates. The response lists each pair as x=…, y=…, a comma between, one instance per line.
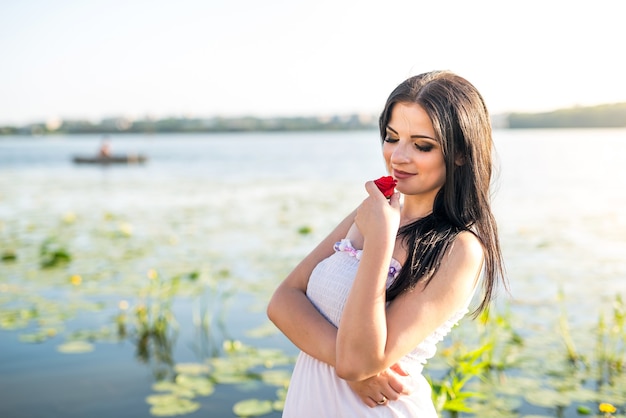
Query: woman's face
x=412, y=154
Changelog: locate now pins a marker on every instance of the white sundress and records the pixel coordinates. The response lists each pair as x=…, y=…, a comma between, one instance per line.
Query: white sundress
x=315, y=390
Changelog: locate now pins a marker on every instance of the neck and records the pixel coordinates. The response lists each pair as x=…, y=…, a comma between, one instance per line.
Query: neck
x=414, y=209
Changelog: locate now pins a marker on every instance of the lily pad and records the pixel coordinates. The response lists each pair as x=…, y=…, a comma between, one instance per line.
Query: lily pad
x=252, y=408
x=38, y=337
x=232, y=378
x=276, y=377
x=161, y=399
x=171, y=405
x=278, y=404
x=164, y=386
x=491, y=410
x=517, y=384
x=173, y=389
x=75, y=347
x=192, y=368
x=198, y=384
x=547, y=398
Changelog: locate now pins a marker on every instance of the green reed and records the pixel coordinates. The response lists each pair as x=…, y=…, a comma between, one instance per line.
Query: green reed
x=499, y=372
x=494, y=350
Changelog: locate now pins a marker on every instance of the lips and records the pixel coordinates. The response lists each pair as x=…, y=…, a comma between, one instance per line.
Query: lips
x=401, y=175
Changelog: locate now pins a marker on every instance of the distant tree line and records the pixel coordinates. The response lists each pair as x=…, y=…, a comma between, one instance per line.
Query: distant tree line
x=191, y=125
x=602, y=116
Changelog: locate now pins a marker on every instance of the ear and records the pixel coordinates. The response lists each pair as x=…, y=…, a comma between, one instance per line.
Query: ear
x=459, y=160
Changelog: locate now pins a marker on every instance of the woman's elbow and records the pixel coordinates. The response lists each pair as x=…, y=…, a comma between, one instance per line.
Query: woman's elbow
x=347, y=374
x=278, y=306
x=271, y=310
x=351, y=370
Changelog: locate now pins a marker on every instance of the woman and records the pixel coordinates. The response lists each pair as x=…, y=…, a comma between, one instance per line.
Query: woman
x=368, y=305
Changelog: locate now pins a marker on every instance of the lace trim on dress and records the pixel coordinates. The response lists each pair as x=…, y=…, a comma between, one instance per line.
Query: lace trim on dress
x=346, y=246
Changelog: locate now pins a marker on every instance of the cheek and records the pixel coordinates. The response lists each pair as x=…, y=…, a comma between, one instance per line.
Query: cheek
x=442, y=173
x=442, y=179
x=436, y=167
x=387, y=154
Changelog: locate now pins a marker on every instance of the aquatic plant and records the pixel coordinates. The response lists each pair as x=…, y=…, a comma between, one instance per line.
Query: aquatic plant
x=610, y=350
x=449, y=393
x=564, y=330
x=125, y=282
x=240, y=365
x=607, y=409
x=53, y=254
x=494, y=350
x=8, y=255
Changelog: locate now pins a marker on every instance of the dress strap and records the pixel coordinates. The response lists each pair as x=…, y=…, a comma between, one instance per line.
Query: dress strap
x=345, y=245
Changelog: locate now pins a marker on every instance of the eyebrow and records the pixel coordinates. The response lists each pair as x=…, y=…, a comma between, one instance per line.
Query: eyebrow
x=416, y=136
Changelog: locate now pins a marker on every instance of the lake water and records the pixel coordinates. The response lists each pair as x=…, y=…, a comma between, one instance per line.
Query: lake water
x=239, y=203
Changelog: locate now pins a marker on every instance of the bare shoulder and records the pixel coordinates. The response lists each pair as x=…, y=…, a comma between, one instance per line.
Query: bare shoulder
x=460, y=267
x=467, y=245
x=464, y=260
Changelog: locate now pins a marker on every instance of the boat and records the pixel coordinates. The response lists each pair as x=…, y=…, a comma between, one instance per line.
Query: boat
x=111, y=159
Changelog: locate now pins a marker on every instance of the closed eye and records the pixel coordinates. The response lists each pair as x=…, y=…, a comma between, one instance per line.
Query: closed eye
x=424, y=148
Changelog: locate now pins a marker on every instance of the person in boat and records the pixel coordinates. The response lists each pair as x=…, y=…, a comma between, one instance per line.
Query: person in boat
x=105, y=148
x=369, y=304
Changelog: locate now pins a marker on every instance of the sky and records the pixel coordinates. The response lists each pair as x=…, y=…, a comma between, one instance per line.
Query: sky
x=95, y=59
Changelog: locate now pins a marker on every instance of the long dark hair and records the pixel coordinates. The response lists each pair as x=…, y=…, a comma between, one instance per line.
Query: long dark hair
x=462, y=125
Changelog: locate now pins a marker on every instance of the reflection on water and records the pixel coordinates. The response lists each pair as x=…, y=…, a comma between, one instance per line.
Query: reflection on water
x=562, y=210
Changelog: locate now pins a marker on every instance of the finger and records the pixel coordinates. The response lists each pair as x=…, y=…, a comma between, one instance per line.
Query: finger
x=370, y=402
x=397, y=386
x=373, y=190
x=396, y=367
x=382, y=400
x=394, y=201
x=393, y=394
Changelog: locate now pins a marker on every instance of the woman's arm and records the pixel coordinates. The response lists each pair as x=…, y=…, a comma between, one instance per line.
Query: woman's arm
x=372, y=336
x=294, y=314
x=292, y=311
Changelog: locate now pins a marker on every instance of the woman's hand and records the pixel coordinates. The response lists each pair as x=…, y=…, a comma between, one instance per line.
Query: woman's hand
x=377, y=215
x=385, y=386
x=362, y=331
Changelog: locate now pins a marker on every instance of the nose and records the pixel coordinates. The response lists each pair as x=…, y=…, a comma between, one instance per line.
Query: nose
x=400, y=154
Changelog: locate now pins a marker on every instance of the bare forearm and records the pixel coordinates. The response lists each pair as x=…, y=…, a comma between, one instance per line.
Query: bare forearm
x=362, y=334
x=294, y=314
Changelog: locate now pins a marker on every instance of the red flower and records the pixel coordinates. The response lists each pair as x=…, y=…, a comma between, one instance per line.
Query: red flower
x=386, y=184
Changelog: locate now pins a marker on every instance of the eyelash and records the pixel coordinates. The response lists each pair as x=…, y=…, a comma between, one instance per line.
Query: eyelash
x=422, y=148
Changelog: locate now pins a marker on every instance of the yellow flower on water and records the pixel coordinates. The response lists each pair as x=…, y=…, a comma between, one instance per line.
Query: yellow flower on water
x=69, y=217
x=152, y=274
x=232, y=345
x=76, y=280
x=126, y=229
x=607, y=408
x=123, y=305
